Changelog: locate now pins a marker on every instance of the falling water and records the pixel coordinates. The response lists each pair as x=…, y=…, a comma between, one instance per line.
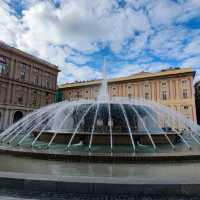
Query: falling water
x=132, y=118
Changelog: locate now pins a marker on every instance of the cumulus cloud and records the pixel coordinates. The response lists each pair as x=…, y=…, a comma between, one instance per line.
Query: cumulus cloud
x=76, y=35
x=9, y=24
x=130, y=69
x=163, y=12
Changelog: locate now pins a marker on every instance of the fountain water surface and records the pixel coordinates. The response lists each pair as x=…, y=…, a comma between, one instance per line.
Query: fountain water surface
x=108, y=124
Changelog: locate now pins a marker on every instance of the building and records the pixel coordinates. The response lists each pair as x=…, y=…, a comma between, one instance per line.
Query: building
x=197, y=100
x=172, y=87
x=26, y=83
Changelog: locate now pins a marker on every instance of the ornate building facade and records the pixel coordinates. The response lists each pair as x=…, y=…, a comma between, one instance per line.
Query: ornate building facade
x=26, y=83
x=173, y=88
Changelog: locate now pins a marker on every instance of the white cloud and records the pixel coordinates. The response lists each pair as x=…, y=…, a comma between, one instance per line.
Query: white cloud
x=192, y=62
x=193, y=48
x=129, y=69
x=163, y=12
x=168, y=43
x=79, y=59
x=81, y=73
x=190, y=9
x=79, y=24
x=9, y=24
x=140, y=31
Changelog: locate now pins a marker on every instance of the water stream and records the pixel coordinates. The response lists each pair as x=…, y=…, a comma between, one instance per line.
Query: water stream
x=129, y=118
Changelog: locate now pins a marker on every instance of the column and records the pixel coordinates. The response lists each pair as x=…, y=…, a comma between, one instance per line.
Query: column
x=173, y=88
x=9, y=93
x=2, y=119
x=41, y=78
x=177, y=89
x=12, y=68
x=155, y=90
x=27, y=96
x=170, y=92
x=30, y=78
x=152, y=90
x=7, y=120
x=13, y=93
x=158, y=90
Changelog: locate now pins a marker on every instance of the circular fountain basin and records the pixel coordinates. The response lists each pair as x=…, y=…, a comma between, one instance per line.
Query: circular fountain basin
x=118, y=130
x=103, y=133
x=104, y=138
x=46, y=175
x=163, y=179
x=119, y=153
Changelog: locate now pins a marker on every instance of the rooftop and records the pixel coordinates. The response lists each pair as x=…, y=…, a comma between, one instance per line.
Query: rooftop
x=140, y=75
x=27, y=55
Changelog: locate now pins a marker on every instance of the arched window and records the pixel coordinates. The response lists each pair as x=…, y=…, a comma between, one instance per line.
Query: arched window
x=17, y=116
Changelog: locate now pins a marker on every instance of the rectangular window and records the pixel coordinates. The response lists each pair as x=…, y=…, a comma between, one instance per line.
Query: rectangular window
x=23, y=68
x=48, y=82
x=78, y=95
x=185, y=109
x=20, y=100
x=146, y=86
x=129, y=89
x=146, y=95
x=36, y=76
x=47, y=98
x=34, y=98
x=185, y=93
x=184, y=83
x=3, y=65
x=114, y=91
x=164, y=95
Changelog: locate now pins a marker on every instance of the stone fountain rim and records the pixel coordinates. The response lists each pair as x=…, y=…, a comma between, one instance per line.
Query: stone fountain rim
x=28, y=182
x=103, y=157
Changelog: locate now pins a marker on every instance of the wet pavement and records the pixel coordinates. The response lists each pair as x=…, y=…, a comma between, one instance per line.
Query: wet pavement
x=17, y=195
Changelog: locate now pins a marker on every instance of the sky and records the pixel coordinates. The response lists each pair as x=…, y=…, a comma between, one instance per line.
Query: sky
x=131, y=35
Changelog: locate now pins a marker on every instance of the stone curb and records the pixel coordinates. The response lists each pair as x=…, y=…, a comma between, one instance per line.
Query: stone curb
x=100, y=185
x=103, y=158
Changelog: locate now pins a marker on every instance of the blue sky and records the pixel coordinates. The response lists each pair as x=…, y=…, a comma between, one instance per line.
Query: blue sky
x=132, y=35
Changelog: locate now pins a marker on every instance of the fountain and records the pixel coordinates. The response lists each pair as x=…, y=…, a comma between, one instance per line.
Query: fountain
x=109, y=126
x=91, y=136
